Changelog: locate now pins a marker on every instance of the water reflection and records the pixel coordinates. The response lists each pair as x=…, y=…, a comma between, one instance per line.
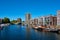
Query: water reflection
x=18, y=32
x=4, y=33
x=28, y=33
x=0, y=34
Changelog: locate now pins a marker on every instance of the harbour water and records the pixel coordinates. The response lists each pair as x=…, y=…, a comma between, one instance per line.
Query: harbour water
x=18, y=32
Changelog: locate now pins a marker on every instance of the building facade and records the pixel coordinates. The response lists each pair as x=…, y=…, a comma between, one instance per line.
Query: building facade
x=27, y=18
x=58, y=17
x=40, y=21
x=48, y=21
x=32, y=21
x=51, y=21
x=35, y=21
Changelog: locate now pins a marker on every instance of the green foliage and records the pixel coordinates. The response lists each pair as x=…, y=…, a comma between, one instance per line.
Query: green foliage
x=19, y=20
x=13, y=21
x=6, y=20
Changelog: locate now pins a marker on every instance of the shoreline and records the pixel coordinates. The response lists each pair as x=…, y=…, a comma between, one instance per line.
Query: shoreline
x=44, y=29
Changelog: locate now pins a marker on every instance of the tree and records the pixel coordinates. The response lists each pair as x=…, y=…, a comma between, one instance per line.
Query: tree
x=19, y=20
x=6, y=20
x=13, y=21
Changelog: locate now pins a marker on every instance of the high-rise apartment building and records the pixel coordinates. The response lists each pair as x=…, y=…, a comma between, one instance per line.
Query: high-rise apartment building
x=27, y=18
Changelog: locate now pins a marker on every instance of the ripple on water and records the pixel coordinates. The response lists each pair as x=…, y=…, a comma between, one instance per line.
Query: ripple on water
x=18, y=32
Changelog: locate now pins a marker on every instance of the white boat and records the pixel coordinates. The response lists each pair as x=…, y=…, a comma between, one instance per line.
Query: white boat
x=2, y=25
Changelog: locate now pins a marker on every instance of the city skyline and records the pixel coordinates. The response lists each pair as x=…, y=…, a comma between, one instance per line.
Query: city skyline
x=14, y=9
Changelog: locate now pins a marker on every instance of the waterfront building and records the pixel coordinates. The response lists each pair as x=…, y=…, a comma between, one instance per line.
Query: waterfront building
x=40, y=21
x=48, y=21
x=58, y=18
x=51, y=21
x=31, y=21
x=27, y=18
x=55, y=20
x=35, y=21
x=44, y=20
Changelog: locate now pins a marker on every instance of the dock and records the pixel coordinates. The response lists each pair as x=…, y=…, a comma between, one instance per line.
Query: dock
x=40, y=28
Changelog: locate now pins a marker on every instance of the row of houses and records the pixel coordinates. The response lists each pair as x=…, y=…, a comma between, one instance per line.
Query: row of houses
x=44, y=21
x=49, y=20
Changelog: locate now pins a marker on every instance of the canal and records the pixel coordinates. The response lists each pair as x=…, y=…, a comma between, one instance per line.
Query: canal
x=18, y=32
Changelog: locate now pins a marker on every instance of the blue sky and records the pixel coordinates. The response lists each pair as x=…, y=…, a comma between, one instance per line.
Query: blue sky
x=14, y=9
